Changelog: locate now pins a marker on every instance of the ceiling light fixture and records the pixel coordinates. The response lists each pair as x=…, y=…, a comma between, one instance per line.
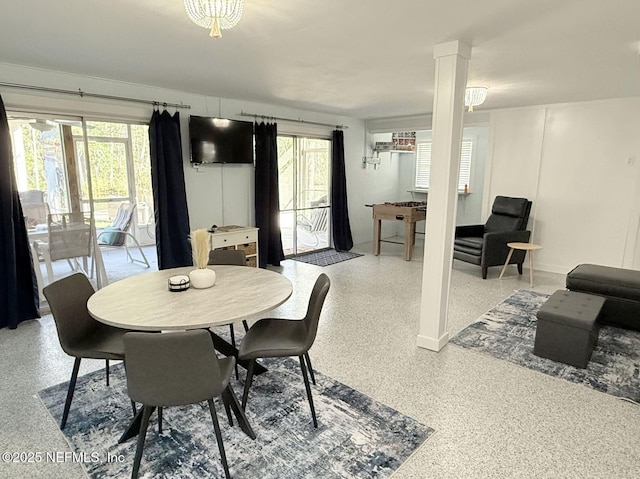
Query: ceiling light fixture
x=214, y=14
x=474, y=96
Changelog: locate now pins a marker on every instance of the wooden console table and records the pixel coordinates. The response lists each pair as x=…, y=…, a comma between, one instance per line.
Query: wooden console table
x=237, y=237
x=408, y=211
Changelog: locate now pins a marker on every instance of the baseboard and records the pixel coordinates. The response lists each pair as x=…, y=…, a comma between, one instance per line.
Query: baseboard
x=432, y=344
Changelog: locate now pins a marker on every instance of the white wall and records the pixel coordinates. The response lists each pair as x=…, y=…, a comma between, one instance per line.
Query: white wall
x=215, y=194
x=579, y=162
x=579, y=165
x=469, y=208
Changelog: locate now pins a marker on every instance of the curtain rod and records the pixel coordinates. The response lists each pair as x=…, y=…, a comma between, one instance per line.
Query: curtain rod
x=94, y=95
x=297, y=120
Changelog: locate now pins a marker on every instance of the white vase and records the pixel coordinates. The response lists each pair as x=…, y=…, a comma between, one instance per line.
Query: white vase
x=202, y=278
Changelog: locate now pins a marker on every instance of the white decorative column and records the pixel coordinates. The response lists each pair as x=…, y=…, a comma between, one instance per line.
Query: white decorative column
x=451, y=59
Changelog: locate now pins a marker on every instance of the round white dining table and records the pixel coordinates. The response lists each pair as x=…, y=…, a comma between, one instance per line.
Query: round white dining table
x=144, y=302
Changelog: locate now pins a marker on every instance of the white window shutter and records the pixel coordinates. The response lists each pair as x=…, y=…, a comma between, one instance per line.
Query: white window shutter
x=423, y=164
x=465, y=164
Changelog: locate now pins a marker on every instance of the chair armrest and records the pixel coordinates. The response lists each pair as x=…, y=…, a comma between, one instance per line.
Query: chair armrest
x=495, y=249
x=469, y=231
x=115, y=231
x=114, y=236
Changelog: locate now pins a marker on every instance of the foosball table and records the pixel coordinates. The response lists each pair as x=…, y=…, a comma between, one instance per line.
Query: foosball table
x=408, y=211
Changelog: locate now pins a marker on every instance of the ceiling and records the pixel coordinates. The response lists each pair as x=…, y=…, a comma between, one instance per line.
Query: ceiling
x=363, y=59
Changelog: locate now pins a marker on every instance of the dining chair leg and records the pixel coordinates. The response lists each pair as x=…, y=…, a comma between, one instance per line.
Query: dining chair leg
x=72, y=387
x=160, y=420
x=107, y=370
x=216, y=426
x=134, y=408
x=313, y=378
x=247, y=383
x=227, y=408
x=307, y=386
x=146, y=414
x=246, y=325
x=233, y=343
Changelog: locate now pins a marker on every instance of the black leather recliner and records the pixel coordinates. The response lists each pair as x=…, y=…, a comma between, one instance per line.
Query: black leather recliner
x=486, y=245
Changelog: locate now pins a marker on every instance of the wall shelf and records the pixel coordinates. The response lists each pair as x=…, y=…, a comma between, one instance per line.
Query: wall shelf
x=394, y=151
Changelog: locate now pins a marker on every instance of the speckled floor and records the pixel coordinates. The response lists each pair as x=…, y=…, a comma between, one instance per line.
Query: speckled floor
x=492, y=418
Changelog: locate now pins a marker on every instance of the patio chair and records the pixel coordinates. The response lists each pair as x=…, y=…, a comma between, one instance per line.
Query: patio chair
x=69, y=236
x=117, y=234
x=34, y=208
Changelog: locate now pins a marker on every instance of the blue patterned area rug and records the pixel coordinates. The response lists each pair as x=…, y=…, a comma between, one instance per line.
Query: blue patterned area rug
x=508, y=332
x=326, y=257
x=357, y=437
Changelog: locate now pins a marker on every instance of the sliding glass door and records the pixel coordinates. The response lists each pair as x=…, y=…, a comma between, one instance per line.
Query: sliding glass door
x=303, y=169
x=53, y=174
x=45, y=162
x=120, y=173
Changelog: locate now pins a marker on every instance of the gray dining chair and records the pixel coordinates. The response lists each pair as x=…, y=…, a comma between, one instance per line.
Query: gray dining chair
x=177, y=369
x=118, y=234
x=276, y=338
x=80, y=335
x=233, y=257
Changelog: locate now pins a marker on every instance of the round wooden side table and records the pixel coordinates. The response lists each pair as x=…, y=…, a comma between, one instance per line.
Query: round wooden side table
x=530, y=247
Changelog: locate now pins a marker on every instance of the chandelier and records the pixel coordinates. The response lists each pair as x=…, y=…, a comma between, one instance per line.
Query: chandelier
x=474, y=96
x=216, y=15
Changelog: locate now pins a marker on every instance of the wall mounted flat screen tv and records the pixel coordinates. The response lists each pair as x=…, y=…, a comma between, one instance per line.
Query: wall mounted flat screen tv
x=217, y=140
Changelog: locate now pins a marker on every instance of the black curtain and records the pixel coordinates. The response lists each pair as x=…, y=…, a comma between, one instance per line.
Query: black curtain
x=169, y=195
x=19, y=299
x=267, y=195
x=342, y=240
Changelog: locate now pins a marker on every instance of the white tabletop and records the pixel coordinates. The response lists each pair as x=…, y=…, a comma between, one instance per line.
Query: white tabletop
x=144, y=302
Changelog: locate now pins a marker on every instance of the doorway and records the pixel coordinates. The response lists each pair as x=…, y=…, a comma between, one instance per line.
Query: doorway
x=304, y=177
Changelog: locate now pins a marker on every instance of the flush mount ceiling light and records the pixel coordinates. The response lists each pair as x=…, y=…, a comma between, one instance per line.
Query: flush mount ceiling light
x=221, y=122
x=214, y=14
x=474, y=96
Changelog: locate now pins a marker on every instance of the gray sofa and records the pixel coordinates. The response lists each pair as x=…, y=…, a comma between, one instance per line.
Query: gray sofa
x=620, y=288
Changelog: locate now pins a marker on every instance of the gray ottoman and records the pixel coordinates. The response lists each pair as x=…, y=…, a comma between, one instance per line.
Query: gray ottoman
x=566, y=331
x=620, y=287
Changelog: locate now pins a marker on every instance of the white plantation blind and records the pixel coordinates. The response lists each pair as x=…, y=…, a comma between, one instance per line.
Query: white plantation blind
x=423, y=164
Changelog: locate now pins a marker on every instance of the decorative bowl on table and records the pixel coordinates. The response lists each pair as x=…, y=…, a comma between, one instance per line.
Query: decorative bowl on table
x=179, y=282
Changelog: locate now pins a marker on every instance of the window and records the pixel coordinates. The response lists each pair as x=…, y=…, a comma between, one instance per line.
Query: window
x=423, y=164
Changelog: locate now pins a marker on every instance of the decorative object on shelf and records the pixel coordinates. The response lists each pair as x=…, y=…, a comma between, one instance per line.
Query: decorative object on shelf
x=214, y=14
x=202, y=277
x=383, y=146
x=371, y=160
x=474, y=96
x=178, y=282
x=404, y=140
